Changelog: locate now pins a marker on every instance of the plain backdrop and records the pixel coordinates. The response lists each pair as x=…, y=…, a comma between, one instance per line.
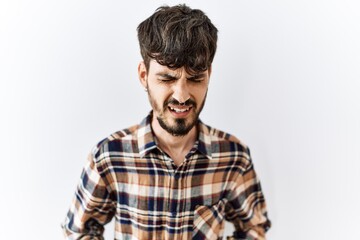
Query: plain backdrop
x=285, y=81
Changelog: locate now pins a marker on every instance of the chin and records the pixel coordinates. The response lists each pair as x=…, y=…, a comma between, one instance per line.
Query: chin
x=177, y=126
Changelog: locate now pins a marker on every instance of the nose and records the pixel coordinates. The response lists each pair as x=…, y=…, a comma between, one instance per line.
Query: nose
x=181, y=91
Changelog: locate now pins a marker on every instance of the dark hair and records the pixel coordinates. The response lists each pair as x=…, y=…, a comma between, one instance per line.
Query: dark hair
x=177, y=37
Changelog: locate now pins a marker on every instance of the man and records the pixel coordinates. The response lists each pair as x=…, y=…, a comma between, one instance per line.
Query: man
x=171, y=176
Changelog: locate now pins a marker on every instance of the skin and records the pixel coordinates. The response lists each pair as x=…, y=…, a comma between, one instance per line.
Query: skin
x=173, y=124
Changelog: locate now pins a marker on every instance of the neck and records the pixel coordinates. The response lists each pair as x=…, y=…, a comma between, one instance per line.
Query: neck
x=176, y=146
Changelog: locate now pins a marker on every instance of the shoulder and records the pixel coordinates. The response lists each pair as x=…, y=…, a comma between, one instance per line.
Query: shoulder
x=217, y=135
x=226, y=144
x=120, y=141
x=220, y=135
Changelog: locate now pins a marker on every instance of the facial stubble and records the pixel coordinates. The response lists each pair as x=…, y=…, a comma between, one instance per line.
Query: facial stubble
x=180, y=128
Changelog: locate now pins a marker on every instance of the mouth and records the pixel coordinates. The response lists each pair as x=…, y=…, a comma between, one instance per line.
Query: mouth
x=180, y=111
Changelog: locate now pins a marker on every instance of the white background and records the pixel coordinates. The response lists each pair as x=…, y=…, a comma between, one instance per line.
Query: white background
x=285, y=81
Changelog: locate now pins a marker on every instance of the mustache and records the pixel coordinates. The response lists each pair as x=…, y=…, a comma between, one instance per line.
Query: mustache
x=173, y=101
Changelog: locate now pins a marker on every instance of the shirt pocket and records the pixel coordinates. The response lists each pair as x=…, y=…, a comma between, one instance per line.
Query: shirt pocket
x=209, y=221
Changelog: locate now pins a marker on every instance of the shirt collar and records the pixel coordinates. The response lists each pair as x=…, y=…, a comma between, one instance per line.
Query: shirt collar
x=147, y=142
x=204, y=140
x=145, y=136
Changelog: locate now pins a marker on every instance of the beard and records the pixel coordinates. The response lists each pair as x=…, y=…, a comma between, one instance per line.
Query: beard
x=181, y=126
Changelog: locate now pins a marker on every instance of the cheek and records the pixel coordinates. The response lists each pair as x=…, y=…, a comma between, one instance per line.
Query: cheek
x=159, y=96
x=200, y=95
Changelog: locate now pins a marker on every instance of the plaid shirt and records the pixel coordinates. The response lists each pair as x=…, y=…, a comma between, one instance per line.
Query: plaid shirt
x=128, y=177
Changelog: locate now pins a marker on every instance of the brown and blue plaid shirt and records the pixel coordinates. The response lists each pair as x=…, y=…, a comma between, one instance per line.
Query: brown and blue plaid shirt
x=130, y=178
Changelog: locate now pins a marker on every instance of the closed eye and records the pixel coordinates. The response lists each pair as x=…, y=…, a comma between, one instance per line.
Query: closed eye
x=166, y=78
x=196, y=79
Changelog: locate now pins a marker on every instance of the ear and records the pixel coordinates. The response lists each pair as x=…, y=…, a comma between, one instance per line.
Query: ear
x=142, y=74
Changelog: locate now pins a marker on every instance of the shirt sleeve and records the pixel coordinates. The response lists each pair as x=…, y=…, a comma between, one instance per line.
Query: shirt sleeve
x=92, y=206
x=246, y=208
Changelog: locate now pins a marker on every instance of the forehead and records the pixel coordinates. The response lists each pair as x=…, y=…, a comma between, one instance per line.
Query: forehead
x=156, y=68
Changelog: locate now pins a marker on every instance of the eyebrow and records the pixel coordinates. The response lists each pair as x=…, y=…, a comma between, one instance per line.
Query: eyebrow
x=200, y=75
x=167, y=76
x=172, y=77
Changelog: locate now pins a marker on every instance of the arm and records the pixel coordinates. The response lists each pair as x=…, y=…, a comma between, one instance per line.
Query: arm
x=92, y=206
x=246, y=208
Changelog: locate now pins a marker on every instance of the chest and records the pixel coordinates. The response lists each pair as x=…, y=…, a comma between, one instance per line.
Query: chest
x=160, y=185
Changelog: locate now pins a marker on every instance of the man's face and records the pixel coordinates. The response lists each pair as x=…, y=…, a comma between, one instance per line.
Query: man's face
x=176, y=97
